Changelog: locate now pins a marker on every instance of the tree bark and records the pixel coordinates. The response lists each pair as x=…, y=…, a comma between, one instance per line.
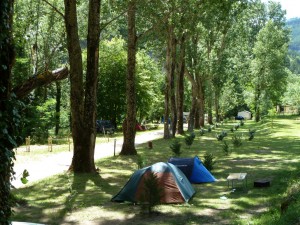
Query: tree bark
x=180, y=86
x=83, y=103
x=57, y=108
x=40, y=80
x=128, y=147
x=171, y=71
x=8, y=115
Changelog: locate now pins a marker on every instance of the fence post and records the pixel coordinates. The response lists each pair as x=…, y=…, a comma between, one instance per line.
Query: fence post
x=27, y=144
x=115, y=143
x=50, y=144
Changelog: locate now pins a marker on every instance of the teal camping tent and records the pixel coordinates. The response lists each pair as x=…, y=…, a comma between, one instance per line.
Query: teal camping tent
x=174, y=185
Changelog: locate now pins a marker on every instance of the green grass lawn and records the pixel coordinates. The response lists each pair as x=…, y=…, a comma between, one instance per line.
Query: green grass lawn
x=85, y=199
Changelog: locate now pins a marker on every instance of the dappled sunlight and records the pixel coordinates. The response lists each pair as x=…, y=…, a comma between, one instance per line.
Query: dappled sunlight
x=69, y=198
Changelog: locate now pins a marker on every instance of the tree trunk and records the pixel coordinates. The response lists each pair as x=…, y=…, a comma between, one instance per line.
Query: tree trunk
x=209, y=111
x=90, y=103
x=83, y=104
x=167, y=93
x=197, y=116
x=8, y=114
x=191, y=123
x=257, y=105
x=128, y=147
x=171, y=71
x=57, y=108
x=201, y=101
x=40, y=80
x=180, y=86
x=217, y=107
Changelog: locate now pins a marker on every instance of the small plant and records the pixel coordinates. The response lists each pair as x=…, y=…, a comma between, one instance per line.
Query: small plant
x=221, y=135
x=140, y=161
x=236, y=141
x=152, y=193
x=175, y=146
x=225, y=148
x=237, y=126
x=209, y=161
x=189, y=139
x=201, y=132
x=209, y=129
x=242, y=123
x=251, y=134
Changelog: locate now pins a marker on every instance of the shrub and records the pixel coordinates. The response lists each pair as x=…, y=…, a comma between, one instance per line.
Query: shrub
x=209, y=161
x=237, y=126
x=201, y=132
x=175, y=147
x=225, y=148
x=189, y=139
x=209, y=129
x=236, y=141
x=152, y=193
x=140, y=161
x=251, y=134
x=221, y=135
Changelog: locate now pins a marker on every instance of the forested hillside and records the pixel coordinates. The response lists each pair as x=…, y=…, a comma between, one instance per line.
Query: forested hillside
x=294, y=24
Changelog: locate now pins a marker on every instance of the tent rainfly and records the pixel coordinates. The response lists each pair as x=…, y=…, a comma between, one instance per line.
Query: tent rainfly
x=193, y=169
x=175, y=186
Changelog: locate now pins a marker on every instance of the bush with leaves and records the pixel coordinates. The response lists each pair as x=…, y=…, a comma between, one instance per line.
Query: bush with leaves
x=201, y=131
x=236, y=126
x=236, y=140
x=140, y=161
x=189, y=139
x=251, y=134
x=209, y=129
x=175, y=146
x=209, y=161
x=221, y=136
x=152, y=193
x=226, y=148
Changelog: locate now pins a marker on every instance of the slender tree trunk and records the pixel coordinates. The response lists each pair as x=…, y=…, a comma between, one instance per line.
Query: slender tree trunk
x=209, y=111
x=191, y=123
x=128, y=147
x=57, y=107
x=257, y=105
x=173, y=107
x=180, y=86
x=201, y=98
x=167, y=92
x=217, y=107
x=197, y=116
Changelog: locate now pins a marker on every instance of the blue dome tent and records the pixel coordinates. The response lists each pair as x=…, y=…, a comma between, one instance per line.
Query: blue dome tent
x=193, y=169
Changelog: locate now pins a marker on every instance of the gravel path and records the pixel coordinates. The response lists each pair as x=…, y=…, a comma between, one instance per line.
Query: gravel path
x=60, y=162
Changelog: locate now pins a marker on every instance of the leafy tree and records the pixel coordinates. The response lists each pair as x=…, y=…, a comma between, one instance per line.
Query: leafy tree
x=292, y=93
x=268, y=67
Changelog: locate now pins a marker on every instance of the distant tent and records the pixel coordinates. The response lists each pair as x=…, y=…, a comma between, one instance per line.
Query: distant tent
x=193, y=169
x=175, y=186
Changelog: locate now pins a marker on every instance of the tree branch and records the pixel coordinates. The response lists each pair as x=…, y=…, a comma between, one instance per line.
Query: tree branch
x=40, y=80
x=104, y=25
x=55, y=9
